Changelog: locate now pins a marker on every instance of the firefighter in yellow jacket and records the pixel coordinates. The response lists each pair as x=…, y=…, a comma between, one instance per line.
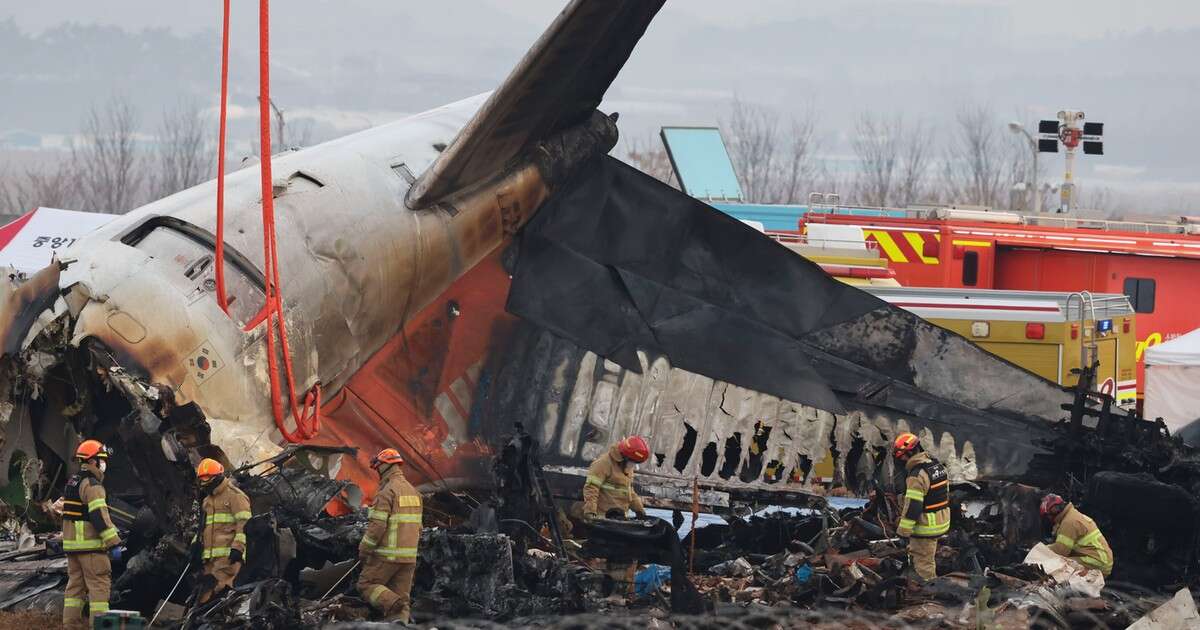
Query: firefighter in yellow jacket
x=925, y=511
x=89, y=537
x=1076, y=535
x=609, y=487
x=388, y=550
x=222, y=543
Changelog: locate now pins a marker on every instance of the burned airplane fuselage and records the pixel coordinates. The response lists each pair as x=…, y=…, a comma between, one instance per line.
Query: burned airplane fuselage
x=123, y=338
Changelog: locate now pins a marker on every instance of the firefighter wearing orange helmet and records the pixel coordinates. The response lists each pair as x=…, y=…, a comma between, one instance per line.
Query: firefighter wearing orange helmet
x=89, y=537
x=388, y=550
x=609, y=488
x=221, y=546
x=925, y=511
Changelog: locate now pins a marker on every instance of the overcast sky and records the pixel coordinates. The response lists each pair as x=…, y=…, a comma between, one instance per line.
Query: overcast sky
x=348, y=64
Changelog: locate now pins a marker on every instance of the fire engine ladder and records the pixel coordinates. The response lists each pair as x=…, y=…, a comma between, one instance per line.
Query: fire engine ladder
x=1089, y=362
x=1089, y=350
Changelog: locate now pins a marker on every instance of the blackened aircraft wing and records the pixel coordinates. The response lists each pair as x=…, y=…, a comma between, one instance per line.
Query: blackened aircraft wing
x=620, y=263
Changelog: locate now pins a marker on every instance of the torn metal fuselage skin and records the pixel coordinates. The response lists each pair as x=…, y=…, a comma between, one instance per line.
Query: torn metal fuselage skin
x=648, y=312
x=122, y=338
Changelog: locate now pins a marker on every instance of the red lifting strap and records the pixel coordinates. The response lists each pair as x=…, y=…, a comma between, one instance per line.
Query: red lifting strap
x=308, y=415
x=222, y=298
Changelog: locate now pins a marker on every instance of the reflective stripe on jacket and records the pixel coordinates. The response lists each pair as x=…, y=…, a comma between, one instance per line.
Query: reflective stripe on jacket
x=1076, y=536
x=86, y=523
x=394, y=520
x=609, y=486
x=226, y=511
x=925, y=512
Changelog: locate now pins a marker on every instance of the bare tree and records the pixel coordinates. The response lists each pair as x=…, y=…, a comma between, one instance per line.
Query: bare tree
x=753, y=134
x=831, y=180
x=974, y=161
x=106, y=160
x=648, y=156
x=51, y=186
x=184, y=153
x=798, y=166
x=1021, y=166
x=916, y=151
x=1098, y=202
x=771, y=167
x=876, y=144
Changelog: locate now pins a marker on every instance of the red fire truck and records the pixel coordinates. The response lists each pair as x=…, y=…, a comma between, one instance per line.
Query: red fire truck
x=1156, y=264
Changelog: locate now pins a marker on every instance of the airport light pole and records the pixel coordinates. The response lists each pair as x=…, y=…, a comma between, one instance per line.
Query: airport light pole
x=1017, y=127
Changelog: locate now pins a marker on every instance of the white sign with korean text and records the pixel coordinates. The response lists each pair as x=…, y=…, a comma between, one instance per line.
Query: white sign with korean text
x=47, y=232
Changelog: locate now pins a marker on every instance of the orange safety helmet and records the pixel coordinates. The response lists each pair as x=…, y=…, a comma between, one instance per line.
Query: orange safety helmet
x=387, y=456
x=89, y=449
x=905, y=445
x=634, y=449
x=209, y=468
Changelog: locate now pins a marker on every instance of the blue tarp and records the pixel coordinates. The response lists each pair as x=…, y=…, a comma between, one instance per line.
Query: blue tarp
x=787, y=217
x=651, y=578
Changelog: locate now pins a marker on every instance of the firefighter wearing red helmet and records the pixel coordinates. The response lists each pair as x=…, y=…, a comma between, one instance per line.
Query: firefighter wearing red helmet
x=221, y=546
x=609, y=488
x=388, y=550
x=1076, y=535
x=925, y=511
x=89, y=537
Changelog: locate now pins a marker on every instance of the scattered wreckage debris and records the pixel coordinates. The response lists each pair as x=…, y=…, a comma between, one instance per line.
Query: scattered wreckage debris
x=811, y=566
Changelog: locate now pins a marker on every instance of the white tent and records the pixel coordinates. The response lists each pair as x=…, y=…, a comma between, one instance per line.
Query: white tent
x=29, y=243
x=1173, y=381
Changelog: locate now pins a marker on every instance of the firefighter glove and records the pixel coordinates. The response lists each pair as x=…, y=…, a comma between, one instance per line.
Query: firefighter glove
x=115, y=554
x=235, y=556
x=591, y=516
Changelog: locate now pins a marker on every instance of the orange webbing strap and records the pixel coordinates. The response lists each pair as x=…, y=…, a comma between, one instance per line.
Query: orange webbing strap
x=222, y=299
x=308, y=415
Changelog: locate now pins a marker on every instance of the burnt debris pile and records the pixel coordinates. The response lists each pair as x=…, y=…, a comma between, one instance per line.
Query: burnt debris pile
x=517, y=559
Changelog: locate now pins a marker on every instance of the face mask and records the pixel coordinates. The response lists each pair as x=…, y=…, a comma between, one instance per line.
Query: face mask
x=103, y=466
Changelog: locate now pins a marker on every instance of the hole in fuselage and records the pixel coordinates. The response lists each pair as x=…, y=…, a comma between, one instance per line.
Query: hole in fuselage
x=685, y=450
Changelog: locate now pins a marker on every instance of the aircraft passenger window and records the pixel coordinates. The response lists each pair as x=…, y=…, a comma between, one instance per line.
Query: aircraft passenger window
x=1140, y=292
x=970, y=269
